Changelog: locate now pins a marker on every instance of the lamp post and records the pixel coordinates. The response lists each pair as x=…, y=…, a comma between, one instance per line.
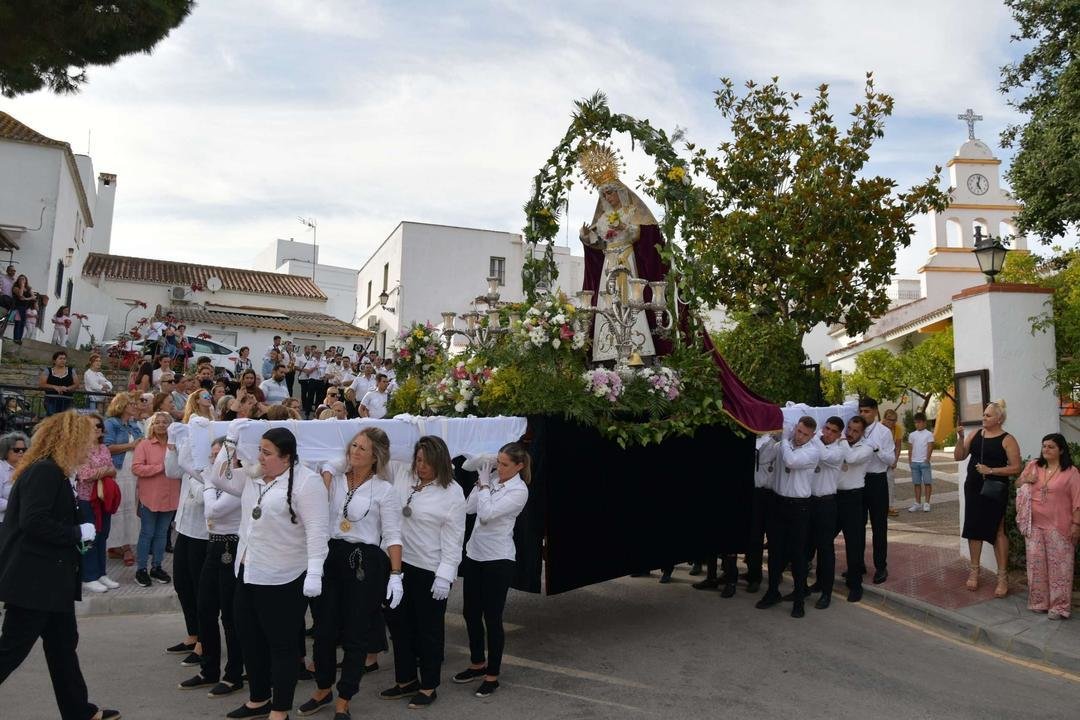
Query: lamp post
x=990, y=253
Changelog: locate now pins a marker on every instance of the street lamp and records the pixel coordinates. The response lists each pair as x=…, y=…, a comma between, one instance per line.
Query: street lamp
x=990, y=253
x=384, y=297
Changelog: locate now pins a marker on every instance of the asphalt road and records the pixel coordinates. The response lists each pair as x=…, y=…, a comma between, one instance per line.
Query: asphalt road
x=625, y=649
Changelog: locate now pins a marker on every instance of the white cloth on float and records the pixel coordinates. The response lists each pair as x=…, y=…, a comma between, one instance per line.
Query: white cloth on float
x=320, y=441
x=793, y=411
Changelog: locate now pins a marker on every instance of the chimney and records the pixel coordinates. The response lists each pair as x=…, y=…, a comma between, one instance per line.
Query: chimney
x=103, y=213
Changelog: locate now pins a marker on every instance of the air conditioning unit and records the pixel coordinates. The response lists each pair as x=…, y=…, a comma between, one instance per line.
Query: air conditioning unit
x=372, y=322
x=179, y=293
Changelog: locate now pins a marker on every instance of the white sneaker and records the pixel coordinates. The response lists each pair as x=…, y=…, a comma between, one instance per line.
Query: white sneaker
x=914, y=507
x=926, y=507
x=108, y=582
x=95, y=586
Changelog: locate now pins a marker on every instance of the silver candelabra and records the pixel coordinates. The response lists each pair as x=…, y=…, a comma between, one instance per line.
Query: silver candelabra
x=476, y=332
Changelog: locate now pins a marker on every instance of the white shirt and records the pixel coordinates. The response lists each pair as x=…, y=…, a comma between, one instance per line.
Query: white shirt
x=375, y=402
x=853, y=469
x=5, y=486
x=496, y=508
x=95, y=381
x=316, y=367
x=154, y=331
x=333, y=373
x=880, y=439
x=189, y=519
x=347, y=376
x=273, y=549
x=222, y=511
x=157, y=377
x=374, y=512
x=432, y=536
x=363, y=385
x=274, y=390
x=765, y=472
x=800, y=464
x=920, y=445
x=828, y=475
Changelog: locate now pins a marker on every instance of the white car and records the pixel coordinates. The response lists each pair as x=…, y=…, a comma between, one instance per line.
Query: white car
x=221, y=356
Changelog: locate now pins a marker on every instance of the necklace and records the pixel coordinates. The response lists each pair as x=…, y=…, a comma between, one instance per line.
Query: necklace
x=346, y=523
x=1045, y=489
x=256, y=512
x=407, y=510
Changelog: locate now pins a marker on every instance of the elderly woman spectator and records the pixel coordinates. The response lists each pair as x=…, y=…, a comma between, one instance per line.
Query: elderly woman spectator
x=159, y=497
x=95, y=381
x=13, y=446
x=122, y=434
x=1048, y=515
x=995, y=456
x=97, y=467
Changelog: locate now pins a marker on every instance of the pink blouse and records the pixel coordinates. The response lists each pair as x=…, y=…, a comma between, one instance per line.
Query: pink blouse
x=1062, y=499
x=156, y=491
x=99, y=457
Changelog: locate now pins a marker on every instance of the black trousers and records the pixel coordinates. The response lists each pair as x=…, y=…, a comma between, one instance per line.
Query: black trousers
x=787, y=542
x=345, y=613
x=217, y=589
x=417, y=629
x=484, y=591
x=876, y=503
x=307, y=394
x=189, y=554
x=851, y=520
x=729, y=568
x=760, y=508
x=376, y=642
x=290, y=378
x=269, y=618
x=59, y=638
x=821, y=536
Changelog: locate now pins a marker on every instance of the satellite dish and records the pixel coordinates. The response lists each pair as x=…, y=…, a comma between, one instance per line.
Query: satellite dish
x=213, y=283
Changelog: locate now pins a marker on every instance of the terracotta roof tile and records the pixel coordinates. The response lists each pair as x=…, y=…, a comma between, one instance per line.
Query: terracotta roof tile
x=12, y=129
x=285, y=321
x=167, y=272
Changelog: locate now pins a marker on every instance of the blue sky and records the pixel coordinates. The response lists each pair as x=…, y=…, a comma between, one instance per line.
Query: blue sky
x=363, y=114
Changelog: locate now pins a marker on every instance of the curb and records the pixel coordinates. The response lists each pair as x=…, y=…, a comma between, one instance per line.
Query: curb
x=127, y=605
x=971, y=630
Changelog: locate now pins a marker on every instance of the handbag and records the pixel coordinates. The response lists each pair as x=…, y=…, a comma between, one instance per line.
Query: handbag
x=993, y=488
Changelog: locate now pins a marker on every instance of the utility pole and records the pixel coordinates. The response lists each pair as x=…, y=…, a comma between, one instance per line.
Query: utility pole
x=310, y=223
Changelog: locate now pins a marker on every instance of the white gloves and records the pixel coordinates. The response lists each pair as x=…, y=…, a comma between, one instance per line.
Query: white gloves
x=233, y=433
x=394, y=590
x=88, y=532
x=313, y=586
x=440, y=589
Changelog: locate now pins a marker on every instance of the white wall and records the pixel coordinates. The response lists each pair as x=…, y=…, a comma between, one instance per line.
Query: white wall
x=337, y=283
x=29, y=180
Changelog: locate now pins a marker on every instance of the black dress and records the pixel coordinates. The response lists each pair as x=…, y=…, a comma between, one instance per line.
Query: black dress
x=981, y=514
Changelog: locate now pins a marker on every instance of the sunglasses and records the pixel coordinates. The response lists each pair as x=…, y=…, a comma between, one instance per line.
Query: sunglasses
x=18, y=449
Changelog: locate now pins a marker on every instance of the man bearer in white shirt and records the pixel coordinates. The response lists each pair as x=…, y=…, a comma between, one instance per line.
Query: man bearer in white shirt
x=876, y=493
x=373, y=404
x=799, y=457
x=823, y=508
x=920, y=447
x=850, y=511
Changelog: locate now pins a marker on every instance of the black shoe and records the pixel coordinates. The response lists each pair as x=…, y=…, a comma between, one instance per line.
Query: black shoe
x=823, y=602
x=246, y=712
x=342, y=716
x=110, y=715
x=192, y=660
x=706, y=584
x=798, y=610
x=854, y=594
x=881, y=576
x=196, y=682
x=160, y=575
x=753, y=586
x=180, y=649
x=224, y=688
x=142, y=578
x=815, y=588
x=313, y=706
x=695, y=569
x=373, y=667
x=398, y=692
x=770, y=598
x=468, y=675
x=420, y=700
x=728, y=591
x=665, y=578
x=487, y=688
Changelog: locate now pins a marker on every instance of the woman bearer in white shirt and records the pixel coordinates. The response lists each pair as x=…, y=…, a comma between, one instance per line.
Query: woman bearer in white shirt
x=488, y=568
x=364, y=514
x=432, y=531
x=279, y=562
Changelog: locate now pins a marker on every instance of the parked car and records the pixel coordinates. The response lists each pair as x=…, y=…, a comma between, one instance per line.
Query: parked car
x=221, y=356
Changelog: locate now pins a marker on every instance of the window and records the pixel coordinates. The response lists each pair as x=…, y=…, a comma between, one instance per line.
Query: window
x=70, y=290
x=497, y=268
x=368, y=293
x=59, y=278
x=386, y=277
x=383, y=334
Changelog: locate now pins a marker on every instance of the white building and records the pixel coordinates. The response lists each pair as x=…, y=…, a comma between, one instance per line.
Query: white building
x=300, y=258
x=428, y=269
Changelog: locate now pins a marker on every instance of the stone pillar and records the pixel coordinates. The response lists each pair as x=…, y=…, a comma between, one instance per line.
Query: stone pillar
x=992, y=330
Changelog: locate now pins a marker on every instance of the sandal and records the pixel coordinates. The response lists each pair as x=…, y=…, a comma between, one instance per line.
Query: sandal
x=973, y=578
x=1002, y=588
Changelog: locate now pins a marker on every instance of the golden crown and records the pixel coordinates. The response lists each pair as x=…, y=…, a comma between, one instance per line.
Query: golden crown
x=600, y=164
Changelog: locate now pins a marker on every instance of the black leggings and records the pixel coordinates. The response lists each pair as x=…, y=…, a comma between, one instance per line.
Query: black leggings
x=217, y=588
x=189, y=554
x=486, y=585
x=269, y=618
x=417, y=629
x=345, y=612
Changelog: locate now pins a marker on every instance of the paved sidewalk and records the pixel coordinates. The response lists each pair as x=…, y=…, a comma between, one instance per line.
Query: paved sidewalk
x=129, y=598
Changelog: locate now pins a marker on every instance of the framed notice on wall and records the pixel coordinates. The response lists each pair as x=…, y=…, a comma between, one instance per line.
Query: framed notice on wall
x=972, y=395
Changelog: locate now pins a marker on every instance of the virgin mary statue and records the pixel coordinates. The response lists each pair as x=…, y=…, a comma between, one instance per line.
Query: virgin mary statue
x=623, y=230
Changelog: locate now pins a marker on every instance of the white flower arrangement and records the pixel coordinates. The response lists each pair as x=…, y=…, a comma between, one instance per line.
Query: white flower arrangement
x=551, y=322
x=662, y=381
x=603, y=383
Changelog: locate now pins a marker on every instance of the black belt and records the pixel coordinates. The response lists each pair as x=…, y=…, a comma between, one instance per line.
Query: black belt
x=224, y=538
x=848, y=492
x=793, y=500
x=876, y=475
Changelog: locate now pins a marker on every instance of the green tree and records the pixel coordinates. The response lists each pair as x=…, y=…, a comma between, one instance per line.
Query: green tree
x=929, y=367
x=1063, y=319
x=52, y=42
x=767, y=356
x=794, y=227
x=832, y=386
x=1044, y=86
x=878, y=374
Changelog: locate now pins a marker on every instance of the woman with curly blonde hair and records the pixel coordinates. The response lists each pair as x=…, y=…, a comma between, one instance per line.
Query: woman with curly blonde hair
x=40, y=557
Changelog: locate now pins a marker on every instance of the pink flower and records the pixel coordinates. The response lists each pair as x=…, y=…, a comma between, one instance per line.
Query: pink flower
x=565, y=332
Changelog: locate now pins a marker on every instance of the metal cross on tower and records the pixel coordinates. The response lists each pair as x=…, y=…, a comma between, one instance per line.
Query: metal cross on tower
x=970, y=117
